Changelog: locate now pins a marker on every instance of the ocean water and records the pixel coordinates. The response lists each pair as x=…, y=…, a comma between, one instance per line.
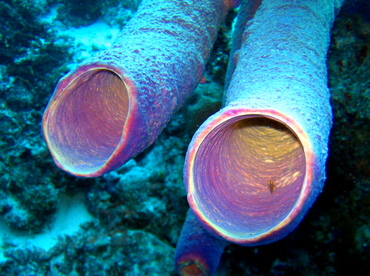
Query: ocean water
x=127, y=222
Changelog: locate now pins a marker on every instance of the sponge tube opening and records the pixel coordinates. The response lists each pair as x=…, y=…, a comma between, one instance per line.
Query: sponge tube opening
x=248, y=174
x=86, y=121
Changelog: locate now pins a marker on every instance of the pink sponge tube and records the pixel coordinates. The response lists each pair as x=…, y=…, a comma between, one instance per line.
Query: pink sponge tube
x=115, y=105
x=197, y=252
x=255, y=168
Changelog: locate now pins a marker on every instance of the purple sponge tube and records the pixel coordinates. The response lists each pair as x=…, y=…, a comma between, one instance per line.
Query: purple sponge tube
x=254, y=169
x=114, y=105
x=197, y=252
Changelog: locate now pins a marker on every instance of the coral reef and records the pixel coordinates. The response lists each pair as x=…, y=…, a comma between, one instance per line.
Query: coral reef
x=93, y=251
x=30, y=60
x=138, y=211
x=83, y=13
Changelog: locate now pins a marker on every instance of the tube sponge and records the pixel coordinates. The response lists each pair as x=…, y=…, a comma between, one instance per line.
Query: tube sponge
x=198, y=252
x=255, y=168
x=114, y=105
